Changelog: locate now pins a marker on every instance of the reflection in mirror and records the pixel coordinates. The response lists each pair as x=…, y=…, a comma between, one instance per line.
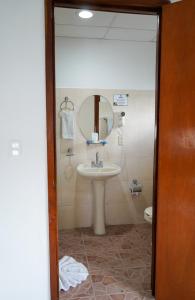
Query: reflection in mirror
x=95, y=115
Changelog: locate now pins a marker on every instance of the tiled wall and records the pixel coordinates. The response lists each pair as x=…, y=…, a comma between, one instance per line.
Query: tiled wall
x=135, y=157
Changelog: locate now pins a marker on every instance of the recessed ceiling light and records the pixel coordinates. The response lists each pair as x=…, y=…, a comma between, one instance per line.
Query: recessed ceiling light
x=85, y=14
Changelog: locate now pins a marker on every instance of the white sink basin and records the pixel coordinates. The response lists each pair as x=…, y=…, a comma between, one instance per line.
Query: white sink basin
x=98, y=178
x=109, y=170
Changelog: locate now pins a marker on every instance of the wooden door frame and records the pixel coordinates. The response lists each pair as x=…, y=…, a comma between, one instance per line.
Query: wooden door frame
x=152, y=7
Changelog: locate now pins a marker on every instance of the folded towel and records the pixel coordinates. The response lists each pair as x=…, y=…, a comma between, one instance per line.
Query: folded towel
x=71, y=273
x=67, y=124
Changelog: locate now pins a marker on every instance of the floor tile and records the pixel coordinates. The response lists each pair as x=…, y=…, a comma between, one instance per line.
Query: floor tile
x=135, y=257
x=70, y=233
x=147, y=279
x=134, y=296
x=80, y=298
x=82, y=290
x=85, y=298
x=145, y=233
x=119, y=230
x=104, y=263
x=119, y=262
x=87, y=232
x=116, y=283
x=126, y=242
x=70, y=246
x=136, y=279
x=111, y=297
x=101, y=244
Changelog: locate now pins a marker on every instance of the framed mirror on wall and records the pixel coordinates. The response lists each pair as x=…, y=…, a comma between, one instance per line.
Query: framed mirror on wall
x=95, y=116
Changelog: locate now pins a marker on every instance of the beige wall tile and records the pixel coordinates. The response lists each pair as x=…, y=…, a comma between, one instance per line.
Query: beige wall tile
x=75, y=201
x=66, y=217
x=84, y=215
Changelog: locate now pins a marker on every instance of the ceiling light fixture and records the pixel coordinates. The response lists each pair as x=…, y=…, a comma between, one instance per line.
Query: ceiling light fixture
x=85, y=14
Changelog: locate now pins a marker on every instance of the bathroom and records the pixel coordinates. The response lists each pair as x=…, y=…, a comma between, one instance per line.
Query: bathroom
x=105, y=83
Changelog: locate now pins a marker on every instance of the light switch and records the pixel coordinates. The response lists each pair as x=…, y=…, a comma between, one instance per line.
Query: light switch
x=15, y=152
x=15, y=148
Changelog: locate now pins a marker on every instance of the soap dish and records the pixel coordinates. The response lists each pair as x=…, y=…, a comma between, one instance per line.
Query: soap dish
x=101, y=142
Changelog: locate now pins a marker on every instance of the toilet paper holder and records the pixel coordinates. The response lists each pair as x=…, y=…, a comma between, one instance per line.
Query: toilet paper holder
x=135, y=187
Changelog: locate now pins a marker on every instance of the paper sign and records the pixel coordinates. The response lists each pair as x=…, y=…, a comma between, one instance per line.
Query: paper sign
x=120, y=100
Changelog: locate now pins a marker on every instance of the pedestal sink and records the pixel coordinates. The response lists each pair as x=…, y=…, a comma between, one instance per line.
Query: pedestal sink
x=98, y=177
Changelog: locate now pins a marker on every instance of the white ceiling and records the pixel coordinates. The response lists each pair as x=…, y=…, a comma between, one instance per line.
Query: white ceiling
x=105, y=25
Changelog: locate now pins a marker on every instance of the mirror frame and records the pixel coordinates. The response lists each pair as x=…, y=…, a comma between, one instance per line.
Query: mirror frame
x=97, y=99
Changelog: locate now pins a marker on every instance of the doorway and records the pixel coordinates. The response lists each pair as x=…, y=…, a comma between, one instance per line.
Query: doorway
x=179, y=13
x=141, y=103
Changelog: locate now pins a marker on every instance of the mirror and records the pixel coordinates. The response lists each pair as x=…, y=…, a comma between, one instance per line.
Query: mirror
x=95, y=115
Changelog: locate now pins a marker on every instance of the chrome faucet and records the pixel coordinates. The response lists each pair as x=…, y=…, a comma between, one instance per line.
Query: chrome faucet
x=97, y=158
x=97, y=163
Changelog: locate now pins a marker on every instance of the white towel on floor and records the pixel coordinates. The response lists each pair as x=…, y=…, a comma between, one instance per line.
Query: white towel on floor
x=71, y=273
x=67, y=124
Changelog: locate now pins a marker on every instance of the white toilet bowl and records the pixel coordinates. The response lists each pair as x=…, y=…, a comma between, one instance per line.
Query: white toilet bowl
x=148, y=214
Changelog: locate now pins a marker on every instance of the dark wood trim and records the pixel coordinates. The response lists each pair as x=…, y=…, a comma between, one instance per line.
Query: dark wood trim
x=156, y=141
x=96, y=113
x=175, y=242
x=134, y=6
x=51, y=148
x=126, y=6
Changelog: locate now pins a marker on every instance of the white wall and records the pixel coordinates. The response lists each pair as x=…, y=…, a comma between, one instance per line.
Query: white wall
x=105, y=64
x=24, y=259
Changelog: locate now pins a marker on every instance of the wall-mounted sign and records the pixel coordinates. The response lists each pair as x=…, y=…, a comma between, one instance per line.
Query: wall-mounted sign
x=120, y=100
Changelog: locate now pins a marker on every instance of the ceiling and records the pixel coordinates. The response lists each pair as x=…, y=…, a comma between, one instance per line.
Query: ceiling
x=106, y=25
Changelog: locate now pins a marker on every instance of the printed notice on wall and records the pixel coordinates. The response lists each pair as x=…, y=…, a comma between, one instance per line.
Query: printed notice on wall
x=120, y=100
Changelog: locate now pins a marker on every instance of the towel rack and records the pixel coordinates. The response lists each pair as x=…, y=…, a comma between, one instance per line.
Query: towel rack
x=65, y=104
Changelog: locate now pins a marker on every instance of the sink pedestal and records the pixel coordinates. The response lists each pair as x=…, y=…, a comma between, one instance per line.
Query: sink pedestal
x=99, y=206
x=98, y=177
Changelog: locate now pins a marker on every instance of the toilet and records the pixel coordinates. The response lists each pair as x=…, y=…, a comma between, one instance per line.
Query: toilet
x=148, y=214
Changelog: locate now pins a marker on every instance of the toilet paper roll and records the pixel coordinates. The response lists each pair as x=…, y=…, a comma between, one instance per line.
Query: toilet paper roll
x=136, y=189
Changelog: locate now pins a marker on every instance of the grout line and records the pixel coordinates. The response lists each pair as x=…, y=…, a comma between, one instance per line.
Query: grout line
x=116, y=249
x=108, y=27
x=104, y=39
x=88, y=266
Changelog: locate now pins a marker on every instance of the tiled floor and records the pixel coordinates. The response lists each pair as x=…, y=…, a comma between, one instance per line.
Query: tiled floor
x=119, y=263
